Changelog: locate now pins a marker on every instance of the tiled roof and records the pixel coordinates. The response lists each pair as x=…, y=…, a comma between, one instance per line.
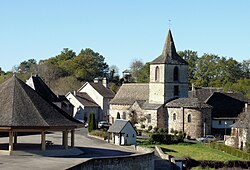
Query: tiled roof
x=22, y=107
x=243, y=121
x=86, y=100
x=118, y=125
x=105, y=92
x=224, y=105
x=187, y=103
x=169, y=54
x=203, y=93
x=150, y=106
x=131, y=92
x=42, y=89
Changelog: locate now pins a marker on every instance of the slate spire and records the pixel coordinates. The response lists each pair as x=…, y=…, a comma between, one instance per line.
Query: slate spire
x=169, y=54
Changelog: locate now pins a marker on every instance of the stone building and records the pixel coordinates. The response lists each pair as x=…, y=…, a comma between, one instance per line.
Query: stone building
x=168, y=80
x=190, y=116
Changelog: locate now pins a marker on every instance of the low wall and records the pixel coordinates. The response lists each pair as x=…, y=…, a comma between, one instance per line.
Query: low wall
x=137, y=161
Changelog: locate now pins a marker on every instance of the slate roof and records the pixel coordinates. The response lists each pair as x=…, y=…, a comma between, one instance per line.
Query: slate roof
x=22, y=107
x=86, y=100
x=150, y=106
x=224, y=105
x=243, y=121
x=131, y=92
x=105, y=92
x=238, y=96
x=42, y=89
x=187, y=103
x=169, y=54
x=203, y=93
x=118, y=125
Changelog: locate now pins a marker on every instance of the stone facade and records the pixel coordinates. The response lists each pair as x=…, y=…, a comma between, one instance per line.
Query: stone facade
x=190, y=120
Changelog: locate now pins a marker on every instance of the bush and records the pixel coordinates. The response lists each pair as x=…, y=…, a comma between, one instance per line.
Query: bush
x=172, y=130
x=156, y=129
x=142, y=126
x=91, y=123
x=161, y=130
x=99, y=133
x=150, y=128
x=162, y=138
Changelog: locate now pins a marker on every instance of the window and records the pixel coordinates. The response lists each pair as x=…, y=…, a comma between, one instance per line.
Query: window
x=219, y=122
x=176, y=74
x=189, y=118
x=176, y=90
x=149, y=118
x=127, y=135
x=133, y=135
x=157, y=73
x=174, y=116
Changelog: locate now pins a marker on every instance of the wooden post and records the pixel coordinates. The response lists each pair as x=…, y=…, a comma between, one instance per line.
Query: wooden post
x=73, y=138
x=65, y=139
x=43, y=136
x=10, y=141
x=15, y=137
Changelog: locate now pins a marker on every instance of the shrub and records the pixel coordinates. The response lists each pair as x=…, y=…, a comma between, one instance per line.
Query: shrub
x=160, y=130
x=171, y=130
x=91, y=123
x=156, y=129
x=150, y=128
x=142, y=126
x=99, y=133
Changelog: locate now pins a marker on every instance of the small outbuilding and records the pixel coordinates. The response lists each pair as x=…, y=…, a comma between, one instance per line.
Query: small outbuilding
x=122, y=132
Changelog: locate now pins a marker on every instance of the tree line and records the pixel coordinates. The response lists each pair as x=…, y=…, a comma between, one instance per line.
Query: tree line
x=67, y=71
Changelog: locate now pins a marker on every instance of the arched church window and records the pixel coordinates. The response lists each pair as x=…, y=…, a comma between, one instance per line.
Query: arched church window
x=176, y=74
x=157, y=76
x=189, y=118
x=174, y=116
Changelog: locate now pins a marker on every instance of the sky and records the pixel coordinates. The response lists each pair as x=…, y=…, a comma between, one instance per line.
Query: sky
x=121, y=31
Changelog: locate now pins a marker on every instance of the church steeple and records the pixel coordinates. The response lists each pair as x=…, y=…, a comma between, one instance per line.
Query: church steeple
x=169, y=54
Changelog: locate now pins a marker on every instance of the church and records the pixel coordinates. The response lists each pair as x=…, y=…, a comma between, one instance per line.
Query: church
x=159, y=103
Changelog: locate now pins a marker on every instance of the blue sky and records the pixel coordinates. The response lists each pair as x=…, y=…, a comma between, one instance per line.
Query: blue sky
x=122, y=30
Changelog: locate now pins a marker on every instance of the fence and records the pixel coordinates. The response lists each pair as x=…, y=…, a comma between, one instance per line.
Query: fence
x=230, y=150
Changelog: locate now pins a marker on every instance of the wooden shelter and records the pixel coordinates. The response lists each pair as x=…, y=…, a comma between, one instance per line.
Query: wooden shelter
x=24, y=110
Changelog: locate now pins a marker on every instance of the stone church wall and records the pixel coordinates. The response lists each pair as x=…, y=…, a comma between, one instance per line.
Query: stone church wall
x=114, y=109
x=194, y=128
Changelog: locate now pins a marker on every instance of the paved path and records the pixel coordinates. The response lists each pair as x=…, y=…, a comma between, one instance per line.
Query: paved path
x=90, y=146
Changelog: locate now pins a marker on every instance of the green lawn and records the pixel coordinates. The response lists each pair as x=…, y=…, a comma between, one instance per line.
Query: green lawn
x=197, y=152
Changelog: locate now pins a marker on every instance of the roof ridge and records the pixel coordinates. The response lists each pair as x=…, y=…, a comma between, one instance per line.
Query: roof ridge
x=25, y=93
x=13, y=103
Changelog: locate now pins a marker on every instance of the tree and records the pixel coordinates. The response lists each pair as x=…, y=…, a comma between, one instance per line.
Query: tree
x=246, y=68
x=191, y=57
x=135, y=66
x=91, y=122
x=143, y=74
x=118, y=116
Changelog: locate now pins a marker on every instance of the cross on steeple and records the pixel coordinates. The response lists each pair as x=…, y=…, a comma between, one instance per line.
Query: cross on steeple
x=169, y=23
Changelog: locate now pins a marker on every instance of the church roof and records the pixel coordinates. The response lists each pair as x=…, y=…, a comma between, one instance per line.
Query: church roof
x=187, y=103
x=203, y=93
x=42, y=89
x=131, y=92
x=22, y=107
x=86, y=100
x=169, y=54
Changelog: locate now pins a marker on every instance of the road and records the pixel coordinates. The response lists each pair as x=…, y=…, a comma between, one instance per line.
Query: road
x=90, y=146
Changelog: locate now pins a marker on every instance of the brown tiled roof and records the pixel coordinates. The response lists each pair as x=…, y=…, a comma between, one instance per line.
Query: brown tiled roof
x=131, y=92
x=22, y=107
x=187, y=103
x=42, y=89
x=169, y=54
x=86, y=100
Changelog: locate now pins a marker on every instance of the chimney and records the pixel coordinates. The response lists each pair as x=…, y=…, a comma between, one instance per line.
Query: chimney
x=96, y=80
x=105, y=82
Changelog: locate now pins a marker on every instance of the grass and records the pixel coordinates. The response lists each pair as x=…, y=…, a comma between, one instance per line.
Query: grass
x=197, y=152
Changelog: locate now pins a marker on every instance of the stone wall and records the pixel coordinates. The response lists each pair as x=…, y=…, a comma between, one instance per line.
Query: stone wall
x=194, y=128
x=139, y=161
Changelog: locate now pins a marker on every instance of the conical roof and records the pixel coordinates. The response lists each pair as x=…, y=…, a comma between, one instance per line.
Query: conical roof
x=169, y=54
x=22, y=107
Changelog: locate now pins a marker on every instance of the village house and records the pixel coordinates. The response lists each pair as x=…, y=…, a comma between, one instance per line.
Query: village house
x=122, y=133
x=92, y=97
